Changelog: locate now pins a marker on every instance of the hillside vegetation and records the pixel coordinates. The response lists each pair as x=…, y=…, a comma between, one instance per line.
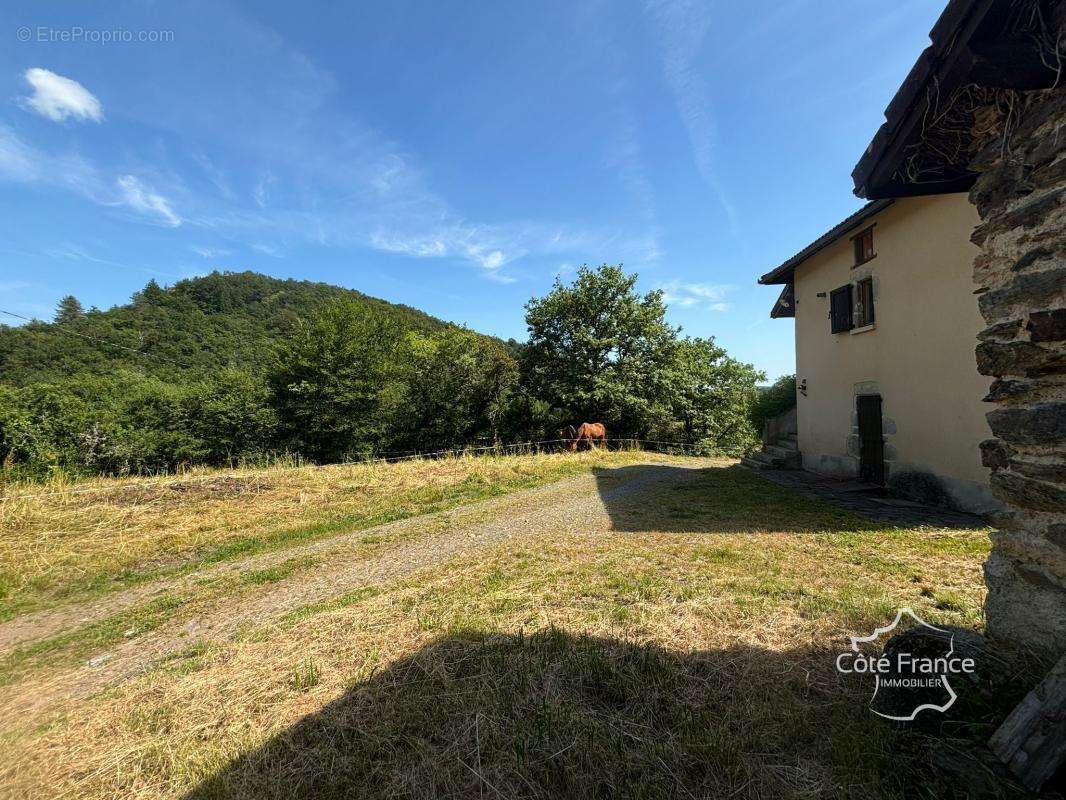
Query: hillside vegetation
x=240, y=368
x=190, y=330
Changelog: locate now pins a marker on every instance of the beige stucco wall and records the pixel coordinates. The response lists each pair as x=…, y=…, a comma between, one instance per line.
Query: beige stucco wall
x=919, y=356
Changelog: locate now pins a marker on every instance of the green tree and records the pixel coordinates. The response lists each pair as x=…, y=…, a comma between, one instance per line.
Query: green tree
x=337, y=381
x=69, y=310
x=154, y=430
x=711, y=396
x=600, y=351
x=456, y=385
x=777, y=398
x=232, y=414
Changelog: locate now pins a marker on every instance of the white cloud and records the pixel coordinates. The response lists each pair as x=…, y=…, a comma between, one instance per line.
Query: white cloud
x=142, y=198
x=492, y=260
x=58, y=98
x=477, y=245
x=309, y=170
x=710, y=296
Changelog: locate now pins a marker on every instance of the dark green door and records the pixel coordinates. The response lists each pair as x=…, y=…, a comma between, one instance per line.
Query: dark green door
x=871, y=439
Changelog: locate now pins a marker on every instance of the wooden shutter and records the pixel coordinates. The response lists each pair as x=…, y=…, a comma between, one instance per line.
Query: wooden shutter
x=840, y=309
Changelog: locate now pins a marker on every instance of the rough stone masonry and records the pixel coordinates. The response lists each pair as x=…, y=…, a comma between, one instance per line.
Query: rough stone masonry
x=1020, y=195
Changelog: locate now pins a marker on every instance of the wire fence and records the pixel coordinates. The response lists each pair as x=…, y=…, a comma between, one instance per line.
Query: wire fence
x=516, y=448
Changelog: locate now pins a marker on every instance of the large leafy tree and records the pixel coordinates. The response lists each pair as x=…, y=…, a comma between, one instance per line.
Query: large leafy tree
x=599, y=350
x=711, y=395
x=337, y=381
x=232, y=414
x=457, y=382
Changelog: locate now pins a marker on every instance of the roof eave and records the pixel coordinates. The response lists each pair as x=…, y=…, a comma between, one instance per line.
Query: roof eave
x=968, y=46
x=785, y=272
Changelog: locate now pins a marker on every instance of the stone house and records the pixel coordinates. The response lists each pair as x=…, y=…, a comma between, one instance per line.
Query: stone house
x=983, y=110
x=885, y=322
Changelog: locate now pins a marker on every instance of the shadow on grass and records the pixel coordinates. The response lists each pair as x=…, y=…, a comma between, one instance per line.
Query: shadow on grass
x=715, y=500
x=559, y=716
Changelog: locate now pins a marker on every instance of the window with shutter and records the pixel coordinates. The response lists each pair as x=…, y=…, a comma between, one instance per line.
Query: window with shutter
x=840, y=309
x=864, y=246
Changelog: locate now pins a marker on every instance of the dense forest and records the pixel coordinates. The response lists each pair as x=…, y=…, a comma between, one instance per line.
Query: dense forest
x=240, y=368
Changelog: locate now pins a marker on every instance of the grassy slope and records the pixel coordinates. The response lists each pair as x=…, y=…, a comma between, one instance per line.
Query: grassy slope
x=104, y=534
x=687, y=655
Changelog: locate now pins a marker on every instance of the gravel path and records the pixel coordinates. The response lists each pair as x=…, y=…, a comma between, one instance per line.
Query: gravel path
x=573, y=505
x=39, y=624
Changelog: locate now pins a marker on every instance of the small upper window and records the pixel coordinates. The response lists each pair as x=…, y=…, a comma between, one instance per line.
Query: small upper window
x=864, y=246
x=864, y=303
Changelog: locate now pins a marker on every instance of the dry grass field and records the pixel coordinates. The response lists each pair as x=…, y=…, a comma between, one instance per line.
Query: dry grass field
x=591, y=625
x=59, y=542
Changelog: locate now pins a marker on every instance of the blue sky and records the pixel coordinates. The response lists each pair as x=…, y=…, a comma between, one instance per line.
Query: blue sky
x=453, y=156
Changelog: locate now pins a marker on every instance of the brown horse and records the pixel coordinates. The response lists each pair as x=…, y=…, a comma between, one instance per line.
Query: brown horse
x=588, y=432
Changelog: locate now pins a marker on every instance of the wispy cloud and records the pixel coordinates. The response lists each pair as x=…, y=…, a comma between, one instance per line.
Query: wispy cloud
x=267, y=249
x=483, y=247
x=682, y=26
x=59, y=98
x=18, y=160
x=213, y=174
x=261, y=193
x=711, y=296
x=66, y=251
x=23, y=163
x=135, y=194
x=14, y=286
x=210, y=253
x=624, y=156
x=304, y=169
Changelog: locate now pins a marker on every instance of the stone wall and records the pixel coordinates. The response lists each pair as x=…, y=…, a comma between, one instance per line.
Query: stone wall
x=779, y=427
x=1021, y=198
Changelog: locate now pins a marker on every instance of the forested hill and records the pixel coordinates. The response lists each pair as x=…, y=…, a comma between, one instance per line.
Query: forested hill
x=242, y=368
x=194, y=327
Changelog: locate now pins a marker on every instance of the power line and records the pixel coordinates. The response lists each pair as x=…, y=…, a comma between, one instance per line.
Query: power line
x=61, y=329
